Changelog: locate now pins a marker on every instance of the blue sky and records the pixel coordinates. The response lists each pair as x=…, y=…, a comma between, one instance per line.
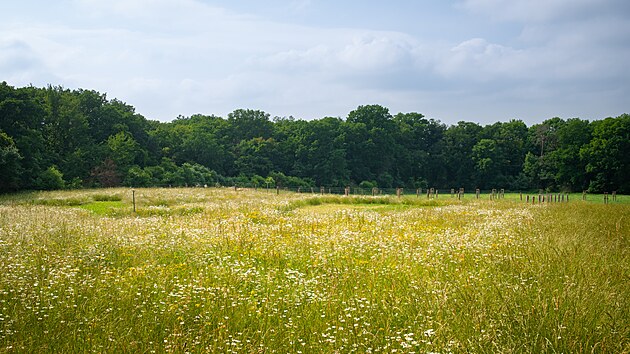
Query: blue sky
x=474, y=60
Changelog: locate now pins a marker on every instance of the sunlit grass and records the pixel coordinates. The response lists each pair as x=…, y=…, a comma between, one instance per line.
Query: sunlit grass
x=104, y=207
x=218, y=270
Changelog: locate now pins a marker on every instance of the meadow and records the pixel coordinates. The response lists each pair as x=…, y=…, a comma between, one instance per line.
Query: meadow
x=242, y=271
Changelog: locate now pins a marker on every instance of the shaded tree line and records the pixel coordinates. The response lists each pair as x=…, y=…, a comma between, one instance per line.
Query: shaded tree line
x=53, y=138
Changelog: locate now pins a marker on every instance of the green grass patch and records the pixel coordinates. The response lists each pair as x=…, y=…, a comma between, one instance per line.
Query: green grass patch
x=104, y=208
x=59, y=202
x=121, y=209
x=363, y=201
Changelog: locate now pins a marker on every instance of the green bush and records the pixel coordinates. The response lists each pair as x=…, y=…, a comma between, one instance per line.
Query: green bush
x=50, y=179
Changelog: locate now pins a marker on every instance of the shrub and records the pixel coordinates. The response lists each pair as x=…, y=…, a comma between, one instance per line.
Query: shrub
x=50, y=179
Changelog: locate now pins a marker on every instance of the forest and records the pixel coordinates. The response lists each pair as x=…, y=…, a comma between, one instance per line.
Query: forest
x=56, y=138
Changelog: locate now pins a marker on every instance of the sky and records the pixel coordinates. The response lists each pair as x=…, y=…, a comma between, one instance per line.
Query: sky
x=454, y=60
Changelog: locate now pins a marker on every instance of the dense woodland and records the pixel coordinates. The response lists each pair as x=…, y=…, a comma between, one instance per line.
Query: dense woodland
x=53, y=138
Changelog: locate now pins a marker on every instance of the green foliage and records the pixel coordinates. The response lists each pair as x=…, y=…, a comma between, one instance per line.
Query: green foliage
x=50, y=179
x=94, y=141
x=256, y=156
x=124, y=150
x=607, y=155
x=196, y=175
x=10, y=168
x=282, y=180
x=368, y=184
x=270, y=182
x=138, y=177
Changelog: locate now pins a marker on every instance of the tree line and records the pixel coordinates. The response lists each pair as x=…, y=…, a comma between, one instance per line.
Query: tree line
x=52, y=138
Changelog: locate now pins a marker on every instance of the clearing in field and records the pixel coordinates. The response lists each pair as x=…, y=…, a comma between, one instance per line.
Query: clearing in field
x=219, y=270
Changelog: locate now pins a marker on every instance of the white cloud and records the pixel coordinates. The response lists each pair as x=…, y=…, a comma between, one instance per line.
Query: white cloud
x=562, y=41
x=376, y=52
x=480, y=60
x=352, y=52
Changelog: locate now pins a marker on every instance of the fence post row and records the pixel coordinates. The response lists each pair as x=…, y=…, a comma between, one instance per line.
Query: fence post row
x=543, y=197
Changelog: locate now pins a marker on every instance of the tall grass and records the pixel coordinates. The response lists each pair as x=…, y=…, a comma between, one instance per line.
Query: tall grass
x=257, y=272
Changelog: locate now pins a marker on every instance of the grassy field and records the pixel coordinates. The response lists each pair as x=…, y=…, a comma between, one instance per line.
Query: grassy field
x=219, y=270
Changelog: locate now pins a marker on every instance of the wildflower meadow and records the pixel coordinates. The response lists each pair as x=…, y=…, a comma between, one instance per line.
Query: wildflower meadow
x=219, y=270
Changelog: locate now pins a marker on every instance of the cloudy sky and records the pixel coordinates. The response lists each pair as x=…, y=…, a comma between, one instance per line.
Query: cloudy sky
x=472, y=60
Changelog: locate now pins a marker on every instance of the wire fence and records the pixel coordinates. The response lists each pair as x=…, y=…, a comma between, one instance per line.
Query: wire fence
x=429, y=193
x=436, y=193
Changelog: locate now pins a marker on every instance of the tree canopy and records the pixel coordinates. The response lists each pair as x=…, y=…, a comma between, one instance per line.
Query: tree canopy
x=54, y=138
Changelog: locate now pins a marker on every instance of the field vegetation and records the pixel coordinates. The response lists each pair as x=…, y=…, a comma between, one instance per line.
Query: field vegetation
x=242, y=271
x=55, y=138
